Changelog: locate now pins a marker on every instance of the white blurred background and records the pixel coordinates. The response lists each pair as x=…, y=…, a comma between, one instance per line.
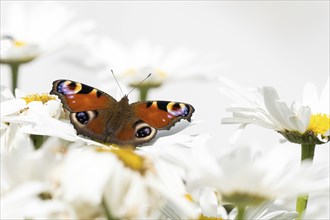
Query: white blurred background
x=279, y=43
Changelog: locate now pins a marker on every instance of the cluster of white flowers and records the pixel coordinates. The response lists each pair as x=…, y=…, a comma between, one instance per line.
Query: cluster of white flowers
x=133, y=63
x=72, y=177
x=50, y=172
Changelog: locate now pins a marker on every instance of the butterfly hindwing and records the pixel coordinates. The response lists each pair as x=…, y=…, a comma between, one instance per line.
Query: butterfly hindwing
x=162, y=114
x=135, y=132
x=95, y=124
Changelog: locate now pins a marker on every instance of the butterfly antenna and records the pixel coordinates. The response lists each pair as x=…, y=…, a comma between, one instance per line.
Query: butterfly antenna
x=139, y=84
x=114, y=76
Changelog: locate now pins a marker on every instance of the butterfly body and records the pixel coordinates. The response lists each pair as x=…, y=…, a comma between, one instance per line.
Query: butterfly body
x=97, y=115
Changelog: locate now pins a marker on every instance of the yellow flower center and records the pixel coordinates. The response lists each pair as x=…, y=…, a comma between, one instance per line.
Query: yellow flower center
x=130, y=72
x=161, y=73
x=45, y=97
x=19, y=43
x=128, y=157
x=133, y=72
x=203, y=217
x=319, y=123
x=189, y=197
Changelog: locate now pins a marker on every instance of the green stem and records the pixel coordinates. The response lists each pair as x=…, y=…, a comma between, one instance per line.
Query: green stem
x=301, y=205
x=14, y=75
x=144, y=89
x=240, y=213
x=37, y=140
x=143, y=92
x=106, y=210
x=307, y=153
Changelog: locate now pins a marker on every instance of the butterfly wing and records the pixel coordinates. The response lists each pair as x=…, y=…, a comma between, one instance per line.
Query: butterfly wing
x=162, y=114
x=91, y=110
x=99, y=116
x=78, y=97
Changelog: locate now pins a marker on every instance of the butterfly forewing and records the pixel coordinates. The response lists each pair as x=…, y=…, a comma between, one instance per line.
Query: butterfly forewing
x=162, y=114
x=78, y=97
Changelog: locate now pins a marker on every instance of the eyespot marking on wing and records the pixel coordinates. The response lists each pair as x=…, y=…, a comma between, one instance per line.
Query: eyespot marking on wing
x=178, y=109
x=83, y=118
x=66, y=87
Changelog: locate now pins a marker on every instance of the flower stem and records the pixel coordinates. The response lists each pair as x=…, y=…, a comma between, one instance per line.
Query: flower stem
x=143, y=93
x=37, y=140
x=145, y=88
x=106, y=210
x=301, y=205
x=307, y=152
x=14, y=75
x=240, y=213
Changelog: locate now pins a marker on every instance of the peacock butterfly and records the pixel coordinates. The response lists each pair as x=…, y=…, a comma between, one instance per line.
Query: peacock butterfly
x=97, y=115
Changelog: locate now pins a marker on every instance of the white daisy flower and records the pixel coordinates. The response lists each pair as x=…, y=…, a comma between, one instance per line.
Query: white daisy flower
x=168, y=154
x=132, y=64
x=248, y=178
x=298, y=123
x=30, y=29
x=28, y=163
x=264, y=211
x=27, y=187
x=37, y=114
x=33, y=200
x=129, y=187
x=171, y=156
x=320, y=119
x=210, y=208
x=12, y=108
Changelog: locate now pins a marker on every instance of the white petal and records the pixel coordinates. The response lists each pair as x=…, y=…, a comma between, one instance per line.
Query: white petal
x=84, y=177
x=304, y=114
x=279, y=110
x=297, y=125
x=12, y=106
x=276, y=215
x=324, y=139
x=53, y=107
x=208, y=202
x=19, y=197
x=6, y=94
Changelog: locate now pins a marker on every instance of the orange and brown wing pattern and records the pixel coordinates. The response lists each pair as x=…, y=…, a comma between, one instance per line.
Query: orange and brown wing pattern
x=162, y=114
x=78, y=97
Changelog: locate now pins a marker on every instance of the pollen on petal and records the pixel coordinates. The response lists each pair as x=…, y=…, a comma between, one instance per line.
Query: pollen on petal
x=162, y=74
x=128, y=157
x=189, y=197
x=45, y=97
x=203, y=217
x=19, y=43
x=319, y=123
